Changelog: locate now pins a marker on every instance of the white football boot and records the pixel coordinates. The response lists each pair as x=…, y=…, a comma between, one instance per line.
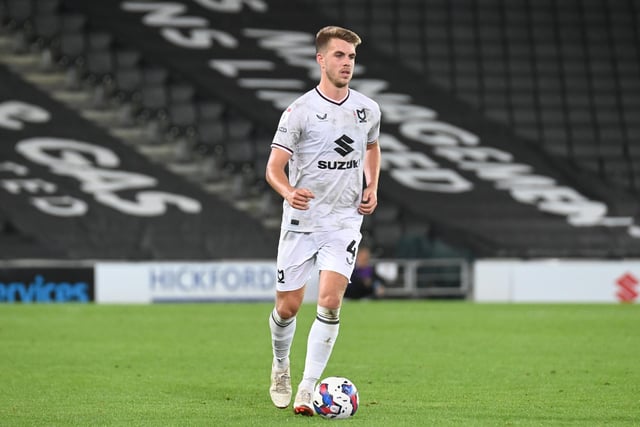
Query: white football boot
x=280, y=389
x=303, y=404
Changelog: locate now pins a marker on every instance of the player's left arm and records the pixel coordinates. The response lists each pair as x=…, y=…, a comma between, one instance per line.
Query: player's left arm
x=371, y=176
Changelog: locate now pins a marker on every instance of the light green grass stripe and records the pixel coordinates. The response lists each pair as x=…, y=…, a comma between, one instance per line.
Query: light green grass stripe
x=416, y=363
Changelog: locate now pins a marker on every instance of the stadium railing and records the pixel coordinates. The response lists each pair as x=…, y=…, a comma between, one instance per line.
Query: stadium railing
x=425, y=278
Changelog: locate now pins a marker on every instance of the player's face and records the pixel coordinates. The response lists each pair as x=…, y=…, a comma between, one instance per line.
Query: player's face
x=338, y=61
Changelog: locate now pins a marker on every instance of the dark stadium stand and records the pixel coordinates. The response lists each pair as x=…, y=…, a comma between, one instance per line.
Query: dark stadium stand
x=72, y=64
x=554, y=83
x=562, y=73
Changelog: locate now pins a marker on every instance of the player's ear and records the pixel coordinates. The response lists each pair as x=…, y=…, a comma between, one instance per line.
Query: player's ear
x=320, y=59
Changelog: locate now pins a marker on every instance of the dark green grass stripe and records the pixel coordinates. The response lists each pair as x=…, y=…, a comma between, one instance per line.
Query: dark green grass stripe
x=414, y=362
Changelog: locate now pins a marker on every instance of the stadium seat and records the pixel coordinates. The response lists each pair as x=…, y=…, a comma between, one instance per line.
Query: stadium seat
x=559, y=76
x=518, y=60
x=386, y=237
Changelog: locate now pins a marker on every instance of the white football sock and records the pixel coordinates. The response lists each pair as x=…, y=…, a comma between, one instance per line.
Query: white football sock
x=322, y=337
x=282, y=332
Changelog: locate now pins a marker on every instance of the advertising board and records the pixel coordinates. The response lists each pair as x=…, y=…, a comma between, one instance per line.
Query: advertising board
x=46, y=284
x=157, y=282
x=563, y=281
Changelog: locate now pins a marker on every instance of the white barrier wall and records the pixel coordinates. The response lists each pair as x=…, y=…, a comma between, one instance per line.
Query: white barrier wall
x=149, y=282
x=568, y=281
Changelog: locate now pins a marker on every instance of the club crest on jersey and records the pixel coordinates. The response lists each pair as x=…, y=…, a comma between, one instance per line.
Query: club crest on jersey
x=361, y=116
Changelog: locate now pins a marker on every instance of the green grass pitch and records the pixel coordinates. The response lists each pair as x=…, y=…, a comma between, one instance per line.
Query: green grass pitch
x=416, y=363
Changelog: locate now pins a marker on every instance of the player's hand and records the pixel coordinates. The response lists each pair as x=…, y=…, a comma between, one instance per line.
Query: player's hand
x=299, y=198
x=369, y=202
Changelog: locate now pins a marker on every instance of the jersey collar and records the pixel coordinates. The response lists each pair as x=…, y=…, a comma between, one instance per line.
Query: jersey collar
x=342, y=101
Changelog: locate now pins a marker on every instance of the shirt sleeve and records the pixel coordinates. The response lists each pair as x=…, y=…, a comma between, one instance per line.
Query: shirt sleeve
x=374, y=132
x=288, y=131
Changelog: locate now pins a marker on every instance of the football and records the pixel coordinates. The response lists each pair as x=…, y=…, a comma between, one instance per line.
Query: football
x=336, y=397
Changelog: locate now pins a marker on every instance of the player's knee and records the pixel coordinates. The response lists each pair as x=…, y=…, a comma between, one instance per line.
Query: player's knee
x=287, y=310
x=287, y=313
x=330, y=301
x=288, y=303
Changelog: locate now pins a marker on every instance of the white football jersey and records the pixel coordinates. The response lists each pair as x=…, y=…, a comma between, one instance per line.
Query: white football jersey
x=327, y=141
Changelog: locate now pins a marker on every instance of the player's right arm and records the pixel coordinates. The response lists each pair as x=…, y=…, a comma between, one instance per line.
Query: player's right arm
x=298, y=198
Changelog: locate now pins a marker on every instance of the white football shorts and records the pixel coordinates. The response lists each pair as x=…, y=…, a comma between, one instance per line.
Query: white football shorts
x=298, y=253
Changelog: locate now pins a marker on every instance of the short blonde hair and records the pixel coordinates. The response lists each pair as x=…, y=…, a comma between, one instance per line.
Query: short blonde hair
x=332, y=32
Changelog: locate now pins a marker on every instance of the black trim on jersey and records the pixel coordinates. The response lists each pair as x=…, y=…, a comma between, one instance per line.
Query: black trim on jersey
x=288, y=150
x=331, y=100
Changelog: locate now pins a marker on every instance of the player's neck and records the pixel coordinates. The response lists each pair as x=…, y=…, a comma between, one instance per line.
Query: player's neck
x=334, y=93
